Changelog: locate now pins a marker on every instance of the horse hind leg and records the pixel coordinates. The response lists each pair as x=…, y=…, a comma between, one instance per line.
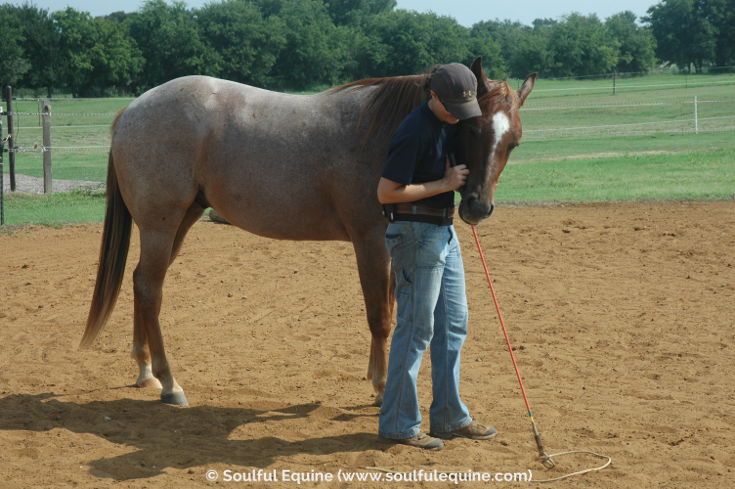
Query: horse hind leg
x=141, y=350
x=142, y=355
x=193, y=213
x=373, y=263
x=156, y=247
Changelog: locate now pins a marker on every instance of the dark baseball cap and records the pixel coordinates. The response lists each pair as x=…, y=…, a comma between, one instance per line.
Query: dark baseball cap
x=456, y=87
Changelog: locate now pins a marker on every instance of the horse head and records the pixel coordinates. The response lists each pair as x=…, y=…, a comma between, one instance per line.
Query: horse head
x=484, y=143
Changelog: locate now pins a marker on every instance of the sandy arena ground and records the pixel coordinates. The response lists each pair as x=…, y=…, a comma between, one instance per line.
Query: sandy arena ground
x=623, y=317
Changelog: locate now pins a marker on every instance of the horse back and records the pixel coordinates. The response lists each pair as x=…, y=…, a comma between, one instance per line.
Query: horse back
x=278, y=165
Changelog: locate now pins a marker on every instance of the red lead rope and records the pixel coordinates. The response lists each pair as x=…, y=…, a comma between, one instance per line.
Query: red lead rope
x=542, y=454
x=500, y=317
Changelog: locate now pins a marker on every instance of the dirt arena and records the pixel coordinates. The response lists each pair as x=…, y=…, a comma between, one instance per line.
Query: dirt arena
x=622, y=315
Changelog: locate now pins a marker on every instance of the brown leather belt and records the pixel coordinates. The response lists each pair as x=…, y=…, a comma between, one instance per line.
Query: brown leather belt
x=425, y=210
x=419, y=213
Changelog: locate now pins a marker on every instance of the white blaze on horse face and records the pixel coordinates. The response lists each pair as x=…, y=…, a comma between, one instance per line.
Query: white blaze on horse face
x=501, y=125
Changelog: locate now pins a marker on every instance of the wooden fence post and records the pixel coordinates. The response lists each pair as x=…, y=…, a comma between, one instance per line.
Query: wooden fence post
x=2, y=178
x=46, y=120
x=11, y=137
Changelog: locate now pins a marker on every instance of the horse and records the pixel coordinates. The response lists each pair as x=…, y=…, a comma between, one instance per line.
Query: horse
x=298, y=167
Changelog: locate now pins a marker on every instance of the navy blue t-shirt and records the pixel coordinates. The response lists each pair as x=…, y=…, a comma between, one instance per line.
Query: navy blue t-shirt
x=418, y=153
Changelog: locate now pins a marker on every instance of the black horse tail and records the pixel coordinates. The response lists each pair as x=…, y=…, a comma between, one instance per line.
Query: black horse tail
x=113, y=255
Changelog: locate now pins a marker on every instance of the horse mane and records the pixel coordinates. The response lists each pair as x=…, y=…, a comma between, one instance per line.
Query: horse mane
x=396, y=96
x=393, y=99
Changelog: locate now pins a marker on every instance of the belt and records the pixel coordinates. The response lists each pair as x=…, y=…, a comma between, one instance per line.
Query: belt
x=419, y=213
x=423, y=209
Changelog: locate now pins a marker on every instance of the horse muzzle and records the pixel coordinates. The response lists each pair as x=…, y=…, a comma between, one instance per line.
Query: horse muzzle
x=472, y=210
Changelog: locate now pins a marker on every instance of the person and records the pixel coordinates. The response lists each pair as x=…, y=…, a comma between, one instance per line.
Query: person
x=417, y=192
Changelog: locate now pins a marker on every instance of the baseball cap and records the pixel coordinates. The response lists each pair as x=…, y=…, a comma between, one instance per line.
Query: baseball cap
x=456, y=87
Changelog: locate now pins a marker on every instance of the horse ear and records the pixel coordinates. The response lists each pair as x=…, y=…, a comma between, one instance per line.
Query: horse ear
x=476, y=68
x=527, y=87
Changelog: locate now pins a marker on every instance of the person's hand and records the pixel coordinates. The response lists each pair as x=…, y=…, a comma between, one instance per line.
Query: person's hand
x=455, y=176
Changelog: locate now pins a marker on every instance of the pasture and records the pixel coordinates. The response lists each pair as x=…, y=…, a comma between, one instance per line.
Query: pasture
x=612, y=257
x=574, y=131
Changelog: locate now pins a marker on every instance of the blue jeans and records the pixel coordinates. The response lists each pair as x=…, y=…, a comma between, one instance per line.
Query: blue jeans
x=432, y=310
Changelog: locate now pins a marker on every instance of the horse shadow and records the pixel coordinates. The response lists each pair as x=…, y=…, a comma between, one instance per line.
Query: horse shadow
x=166, y=436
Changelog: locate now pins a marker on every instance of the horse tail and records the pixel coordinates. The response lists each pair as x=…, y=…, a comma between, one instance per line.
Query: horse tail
x=113, y=255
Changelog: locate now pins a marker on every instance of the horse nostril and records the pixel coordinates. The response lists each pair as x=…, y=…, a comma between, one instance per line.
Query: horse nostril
x=490, y=212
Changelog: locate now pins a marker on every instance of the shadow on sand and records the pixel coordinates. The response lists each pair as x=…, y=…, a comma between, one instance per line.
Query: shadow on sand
x=167, y=436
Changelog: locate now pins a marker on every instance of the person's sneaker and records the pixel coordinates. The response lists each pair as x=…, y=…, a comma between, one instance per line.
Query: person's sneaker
x=422, y=440
x=473, y=431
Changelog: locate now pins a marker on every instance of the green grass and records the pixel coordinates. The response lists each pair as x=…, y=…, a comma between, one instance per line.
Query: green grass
x=54, y=209
x=626, y=86
x=581, y=143
x=89, y=166
x=591, y=149
x=80, y=137
x=706, y=175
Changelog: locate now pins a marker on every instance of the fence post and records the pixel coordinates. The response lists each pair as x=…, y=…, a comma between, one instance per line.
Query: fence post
x=2, y=178
x=46, y=119
x=615, y=75
x=11, y=137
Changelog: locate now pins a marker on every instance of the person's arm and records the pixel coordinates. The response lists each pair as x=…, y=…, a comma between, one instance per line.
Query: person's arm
x=391, y=192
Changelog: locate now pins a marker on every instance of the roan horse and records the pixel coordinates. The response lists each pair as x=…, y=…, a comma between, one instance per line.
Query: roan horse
x=282, y=166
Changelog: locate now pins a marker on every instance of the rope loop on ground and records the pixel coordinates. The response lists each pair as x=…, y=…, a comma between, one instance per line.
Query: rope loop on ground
x=579, y=472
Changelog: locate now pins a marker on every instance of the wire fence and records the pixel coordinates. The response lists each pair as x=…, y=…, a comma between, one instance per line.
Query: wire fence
x=686, y=116
x=561, y=118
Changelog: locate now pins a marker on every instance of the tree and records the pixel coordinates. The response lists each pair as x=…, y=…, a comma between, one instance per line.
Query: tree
x=512, y=39
x=169, y=38
x=94, y=54
x=315, y=50
x=684, y=36
x=581, y=46
x=245, y=45
x=721, y=15
x=13, y=63
x=363, y=51
x=637, y=45
x=527, y=48
x=77, y=38
x=40, y=46
x=483, y=43
x=412, y=42
x=117, y=62
x=356, y=12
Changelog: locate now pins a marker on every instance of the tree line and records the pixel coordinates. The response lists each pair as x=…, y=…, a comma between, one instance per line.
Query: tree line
x=304, y=44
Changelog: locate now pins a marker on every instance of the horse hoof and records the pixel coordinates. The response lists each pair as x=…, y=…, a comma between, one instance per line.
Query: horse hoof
x=149, y=382
x=175, y=398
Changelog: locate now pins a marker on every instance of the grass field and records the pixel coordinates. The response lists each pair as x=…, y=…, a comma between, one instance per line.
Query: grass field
x=582, y=142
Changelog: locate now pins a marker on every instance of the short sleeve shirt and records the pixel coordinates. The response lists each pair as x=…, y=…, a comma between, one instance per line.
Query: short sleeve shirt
x=418, y=153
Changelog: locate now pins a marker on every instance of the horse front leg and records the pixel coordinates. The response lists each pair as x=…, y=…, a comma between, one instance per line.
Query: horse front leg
x=378, y=287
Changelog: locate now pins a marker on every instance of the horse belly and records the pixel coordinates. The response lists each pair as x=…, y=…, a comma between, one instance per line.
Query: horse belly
x=289, y=224
x=276, y=210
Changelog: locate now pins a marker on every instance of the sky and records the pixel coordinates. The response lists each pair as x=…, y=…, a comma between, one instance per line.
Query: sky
x=466, y=12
